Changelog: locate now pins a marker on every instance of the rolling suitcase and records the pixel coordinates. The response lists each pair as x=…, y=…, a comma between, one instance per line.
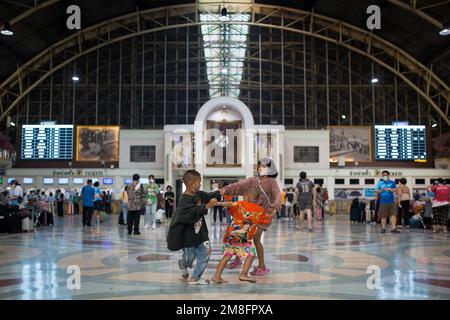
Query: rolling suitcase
x=355, y=215
x=3, y=224
x=368, y=215
x=159, y=215
x=14, y=222
x=49, y=218
x=27, y=224
x=362, y=210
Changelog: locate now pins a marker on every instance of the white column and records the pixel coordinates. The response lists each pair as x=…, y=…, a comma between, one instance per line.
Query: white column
x=249, y=152
x=330, y=187
x=199, y=147
x=167, y=159
x=280, y=152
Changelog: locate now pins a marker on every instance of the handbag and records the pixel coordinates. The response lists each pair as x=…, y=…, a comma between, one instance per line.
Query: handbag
x=265, y=194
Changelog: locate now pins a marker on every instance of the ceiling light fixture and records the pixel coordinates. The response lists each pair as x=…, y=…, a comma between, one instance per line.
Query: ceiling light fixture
x=445, y=30
x=7, y=29
x=374, y=80
x=75, y=78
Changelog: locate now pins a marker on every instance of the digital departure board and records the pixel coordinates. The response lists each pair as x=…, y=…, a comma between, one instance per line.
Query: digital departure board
x=47, y=142
x=401, y=143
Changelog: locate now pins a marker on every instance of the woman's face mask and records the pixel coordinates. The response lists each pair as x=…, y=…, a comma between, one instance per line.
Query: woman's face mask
x=385, y=178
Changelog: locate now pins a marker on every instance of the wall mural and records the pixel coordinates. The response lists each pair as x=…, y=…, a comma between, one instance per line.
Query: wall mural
x=96, y=143
x=353, y=143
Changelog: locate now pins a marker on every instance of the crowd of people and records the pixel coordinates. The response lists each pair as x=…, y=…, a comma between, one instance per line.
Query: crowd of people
x=58, y=203
x=397, y=204
x=264, y=200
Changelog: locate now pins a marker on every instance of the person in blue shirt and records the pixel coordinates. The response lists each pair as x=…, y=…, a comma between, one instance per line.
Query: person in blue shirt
x=87, y=196
x=386, y=191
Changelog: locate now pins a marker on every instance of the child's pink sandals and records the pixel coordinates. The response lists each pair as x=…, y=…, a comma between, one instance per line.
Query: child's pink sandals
x=260, y=272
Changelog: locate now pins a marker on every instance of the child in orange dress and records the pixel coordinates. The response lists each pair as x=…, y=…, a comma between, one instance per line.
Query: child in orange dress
x=238, y=240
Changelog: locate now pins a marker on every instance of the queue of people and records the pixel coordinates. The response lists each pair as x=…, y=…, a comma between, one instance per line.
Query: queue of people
x=396, y=203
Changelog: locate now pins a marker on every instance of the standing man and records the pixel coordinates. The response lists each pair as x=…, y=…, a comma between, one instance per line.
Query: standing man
x=306, y=195
x=385, y=189
x=88, y=195
x=169, y=204
x=151, y=202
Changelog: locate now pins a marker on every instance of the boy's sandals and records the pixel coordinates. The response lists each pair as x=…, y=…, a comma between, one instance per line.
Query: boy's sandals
x=200, y=281
x=184, y=271
x=248, y=280
x=184, y=274
x=219, y=282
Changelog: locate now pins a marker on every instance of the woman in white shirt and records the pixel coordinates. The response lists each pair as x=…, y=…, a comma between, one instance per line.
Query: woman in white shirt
x=16, y=194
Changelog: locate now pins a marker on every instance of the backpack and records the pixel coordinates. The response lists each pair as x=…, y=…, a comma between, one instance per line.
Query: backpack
x=289, y=197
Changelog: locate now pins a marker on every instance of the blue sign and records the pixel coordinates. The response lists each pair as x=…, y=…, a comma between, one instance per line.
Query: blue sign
x=369, y=193
x=108, y=181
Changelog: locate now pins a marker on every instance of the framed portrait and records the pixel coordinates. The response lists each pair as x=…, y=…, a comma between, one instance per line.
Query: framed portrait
x=183, y=151
x=350, y=143
x=96, y=143
x=263, y=146
x=230, y=150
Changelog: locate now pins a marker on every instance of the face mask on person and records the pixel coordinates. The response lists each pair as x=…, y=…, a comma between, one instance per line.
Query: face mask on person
x=385, y=178
x=152, y=181
x=263, y=171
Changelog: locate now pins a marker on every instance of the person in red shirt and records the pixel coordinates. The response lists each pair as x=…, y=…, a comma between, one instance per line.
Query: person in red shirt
x=238, y=240
x=440, y=205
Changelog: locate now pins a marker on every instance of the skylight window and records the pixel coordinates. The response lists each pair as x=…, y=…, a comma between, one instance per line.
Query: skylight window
x=224, y=44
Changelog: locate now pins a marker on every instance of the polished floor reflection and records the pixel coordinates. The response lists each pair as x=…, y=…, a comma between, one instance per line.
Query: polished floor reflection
x=338, y=261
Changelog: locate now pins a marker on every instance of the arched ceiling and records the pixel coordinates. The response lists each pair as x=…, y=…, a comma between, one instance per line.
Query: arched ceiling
x=409, y=24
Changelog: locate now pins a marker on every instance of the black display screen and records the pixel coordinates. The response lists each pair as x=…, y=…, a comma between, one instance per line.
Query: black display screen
x=47, y=142
x=400, y=143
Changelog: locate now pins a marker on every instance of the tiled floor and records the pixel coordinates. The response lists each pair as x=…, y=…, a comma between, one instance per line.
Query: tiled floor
x=331, y=263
